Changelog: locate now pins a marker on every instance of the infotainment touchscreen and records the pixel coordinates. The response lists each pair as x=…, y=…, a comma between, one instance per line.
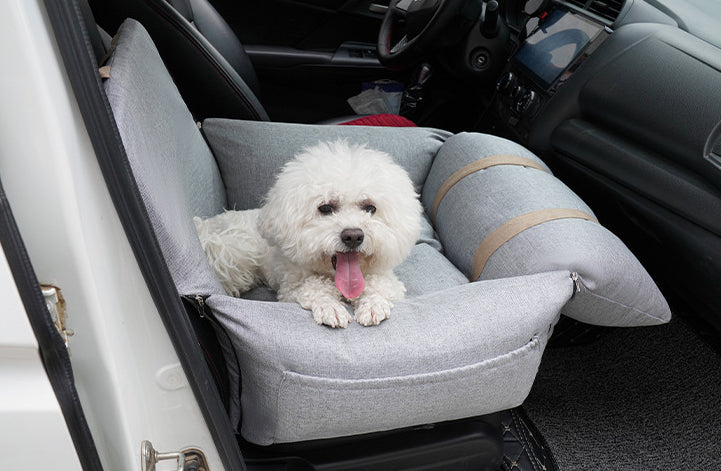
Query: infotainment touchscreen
x=551, y=48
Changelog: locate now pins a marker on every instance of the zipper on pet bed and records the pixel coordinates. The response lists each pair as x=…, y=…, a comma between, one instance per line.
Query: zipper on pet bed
x=576, y=283
x=198, y=301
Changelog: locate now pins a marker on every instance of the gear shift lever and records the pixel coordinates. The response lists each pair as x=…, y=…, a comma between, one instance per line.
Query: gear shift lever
x=424, y=73
x=413, y=94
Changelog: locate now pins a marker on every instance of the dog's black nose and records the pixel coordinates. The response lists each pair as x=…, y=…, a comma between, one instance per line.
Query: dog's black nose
x=352, y=238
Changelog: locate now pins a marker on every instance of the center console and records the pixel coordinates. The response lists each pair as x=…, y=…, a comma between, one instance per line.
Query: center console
x=547, y=58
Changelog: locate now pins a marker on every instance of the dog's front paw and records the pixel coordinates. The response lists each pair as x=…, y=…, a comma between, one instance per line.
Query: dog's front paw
x=332, y=315
x=372, y=312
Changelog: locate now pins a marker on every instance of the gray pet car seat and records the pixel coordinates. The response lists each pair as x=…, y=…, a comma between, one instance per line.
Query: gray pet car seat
x=508, y=250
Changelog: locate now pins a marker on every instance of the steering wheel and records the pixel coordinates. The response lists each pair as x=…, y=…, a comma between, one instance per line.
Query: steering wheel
x=411, y=27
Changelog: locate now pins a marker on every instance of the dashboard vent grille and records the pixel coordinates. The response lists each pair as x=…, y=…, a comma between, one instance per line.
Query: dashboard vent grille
x=578, y=3
x=605, y=9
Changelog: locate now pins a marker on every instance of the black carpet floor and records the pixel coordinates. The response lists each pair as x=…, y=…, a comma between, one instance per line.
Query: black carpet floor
x=636, y=399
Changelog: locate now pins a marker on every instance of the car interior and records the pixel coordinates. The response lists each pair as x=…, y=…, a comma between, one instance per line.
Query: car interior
x=593, y=125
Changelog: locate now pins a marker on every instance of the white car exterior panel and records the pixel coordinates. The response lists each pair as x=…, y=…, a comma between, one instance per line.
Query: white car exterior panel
x=126, y=370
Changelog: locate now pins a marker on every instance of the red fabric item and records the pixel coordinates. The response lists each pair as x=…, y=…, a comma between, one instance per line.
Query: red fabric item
x=383, y=119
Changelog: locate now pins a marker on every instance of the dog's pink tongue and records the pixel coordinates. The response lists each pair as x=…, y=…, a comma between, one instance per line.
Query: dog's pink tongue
x=348, y=277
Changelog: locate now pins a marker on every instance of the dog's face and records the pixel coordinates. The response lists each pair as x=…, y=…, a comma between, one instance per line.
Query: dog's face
x=343, y=211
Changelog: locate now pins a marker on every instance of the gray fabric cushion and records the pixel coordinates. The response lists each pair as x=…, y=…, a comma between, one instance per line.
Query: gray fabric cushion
x=471, y=210
x=468, y=350
x=173, y=167
x=615, y=289
x=249, y=153
x=426, y=271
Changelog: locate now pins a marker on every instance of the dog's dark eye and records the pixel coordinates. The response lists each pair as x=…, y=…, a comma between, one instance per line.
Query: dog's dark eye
x=326, y=209
x=369, y=208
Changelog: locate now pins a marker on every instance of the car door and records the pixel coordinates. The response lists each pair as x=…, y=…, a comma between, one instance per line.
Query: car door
x=310, y=55
x=39, y=438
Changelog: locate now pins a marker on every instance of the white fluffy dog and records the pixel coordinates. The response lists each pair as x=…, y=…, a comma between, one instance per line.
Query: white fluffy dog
x=336, y=222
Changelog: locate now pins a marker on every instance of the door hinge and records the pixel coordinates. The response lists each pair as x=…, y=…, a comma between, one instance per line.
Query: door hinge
x=56, y=306
x=189, y=459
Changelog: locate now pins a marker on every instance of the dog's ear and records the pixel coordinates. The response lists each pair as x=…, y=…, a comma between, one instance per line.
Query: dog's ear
x=282, y=212
x=269, y=219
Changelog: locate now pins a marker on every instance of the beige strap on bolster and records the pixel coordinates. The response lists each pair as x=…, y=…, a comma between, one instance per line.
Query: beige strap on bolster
x=473, y=167
x=515, y=226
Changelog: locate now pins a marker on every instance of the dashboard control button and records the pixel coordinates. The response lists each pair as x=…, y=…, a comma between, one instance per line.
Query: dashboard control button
x=527, y=103
x=507, y=83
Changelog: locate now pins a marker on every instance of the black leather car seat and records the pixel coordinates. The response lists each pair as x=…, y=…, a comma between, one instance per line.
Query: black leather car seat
x=202, y=53
x=205, y=57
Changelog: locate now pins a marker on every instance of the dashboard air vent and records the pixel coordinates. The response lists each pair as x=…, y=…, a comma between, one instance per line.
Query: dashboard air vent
x=607, y=10
x=578, y=3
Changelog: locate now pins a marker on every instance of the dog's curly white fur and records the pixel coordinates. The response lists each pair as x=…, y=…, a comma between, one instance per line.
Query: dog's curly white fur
x=332, y=228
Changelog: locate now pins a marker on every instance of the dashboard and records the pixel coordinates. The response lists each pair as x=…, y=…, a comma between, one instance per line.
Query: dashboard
x=556, y=44
x=625, y=106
